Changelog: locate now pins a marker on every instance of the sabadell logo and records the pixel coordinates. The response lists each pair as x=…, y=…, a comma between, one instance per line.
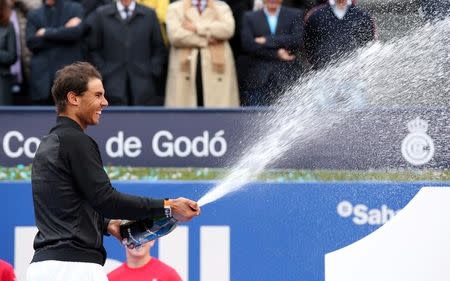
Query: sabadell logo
x=361, y=214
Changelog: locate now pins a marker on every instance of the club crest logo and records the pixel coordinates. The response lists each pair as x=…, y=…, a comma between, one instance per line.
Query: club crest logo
x=417, y=146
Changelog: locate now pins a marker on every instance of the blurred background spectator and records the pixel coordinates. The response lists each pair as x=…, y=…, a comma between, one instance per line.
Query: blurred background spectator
x=126, y=45
x=336, y=29
x=53, y=35
x=141, y=266
x=271, y=38
x=20, y=70
x=8, y=53
x=201, y=63
x=18, y=19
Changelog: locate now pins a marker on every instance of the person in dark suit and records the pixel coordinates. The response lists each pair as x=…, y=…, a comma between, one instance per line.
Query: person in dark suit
x=271, y=38
x=126, y=45
x=53, y=36
x=336, y=29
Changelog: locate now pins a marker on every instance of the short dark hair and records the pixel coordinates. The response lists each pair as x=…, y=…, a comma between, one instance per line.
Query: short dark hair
x=72, y=78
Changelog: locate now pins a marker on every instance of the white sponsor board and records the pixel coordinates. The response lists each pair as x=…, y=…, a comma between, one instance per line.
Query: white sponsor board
x=173, y=250
x=413, y=246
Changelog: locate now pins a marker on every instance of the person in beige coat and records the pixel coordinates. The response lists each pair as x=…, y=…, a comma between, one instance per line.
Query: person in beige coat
x=198, y=32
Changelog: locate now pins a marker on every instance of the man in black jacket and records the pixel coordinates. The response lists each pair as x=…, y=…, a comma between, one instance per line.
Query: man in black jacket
x=72, y=195
x=272, y=38
x=126, y=45
x=53, y=35
x=336, y=29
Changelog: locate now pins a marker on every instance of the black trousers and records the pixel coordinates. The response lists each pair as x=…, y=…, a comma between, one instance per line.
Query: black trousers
x=199, y=80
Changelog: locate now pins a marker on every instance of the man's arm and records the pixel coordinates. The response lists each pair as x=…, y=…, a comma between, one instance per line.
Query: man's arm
x=83, y=157
x=248, y=41
x=221, y=28
x=35, y=43
x=182, y=210
x=72, y=30
x=178, y=35
x=293, y=40
x=9, y=55
x=64, y=33
x=91, y=180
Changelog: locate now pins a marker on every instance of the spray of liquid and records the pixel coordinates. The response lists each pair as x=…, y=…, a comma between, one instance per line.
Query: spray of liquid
x=413, y=70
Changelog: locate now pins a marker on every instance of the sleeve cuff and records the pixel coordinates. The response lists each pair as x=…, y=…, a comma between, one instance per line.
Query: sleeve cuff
x=105, y=227
x=159, y=208
x=203, y=30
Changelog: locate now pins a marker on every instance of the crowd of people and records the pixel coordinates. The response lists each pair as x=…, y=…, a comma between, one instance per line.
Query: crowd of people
x=188, y=53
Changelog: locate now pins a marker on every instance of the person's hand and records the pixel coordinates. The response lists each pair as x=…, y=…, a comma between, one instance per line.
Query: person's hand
x=213, y=41
x=183, y=209
x=260, y=40
x=114, y=229
x=73, y=22
x=188, y=25
x=283, y=54
x=40, y=32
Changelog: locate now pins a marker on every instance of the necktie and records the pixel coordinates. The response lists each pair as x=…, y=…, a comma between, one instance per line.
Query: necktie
x=199, y=6
x=127, y=11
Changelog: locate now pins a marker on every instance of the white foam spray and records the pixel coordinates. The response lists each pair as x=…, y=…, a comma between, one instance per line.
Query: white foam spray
x=410, y=71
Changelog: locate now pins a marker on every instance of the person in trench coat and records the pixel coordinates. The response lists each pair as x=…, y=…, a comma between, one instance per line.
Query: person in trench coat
x=201, y=65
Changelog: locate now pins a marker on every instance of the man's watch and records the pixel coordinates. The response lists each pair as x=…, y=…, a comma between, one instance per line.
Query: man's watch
x=167, y=209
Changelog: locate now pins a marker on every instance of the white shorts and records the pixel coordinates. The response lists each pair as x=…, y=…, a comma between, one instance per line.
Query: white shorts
x=65, y=271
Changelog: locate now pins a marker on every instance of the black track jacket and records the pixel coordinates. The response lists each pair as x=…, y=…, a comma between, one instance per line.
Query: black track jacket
x=72, y=196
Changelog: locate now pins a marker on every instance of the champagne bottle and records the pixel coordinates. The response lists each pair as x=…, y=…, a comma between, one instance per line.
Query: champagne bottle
x=136, y=233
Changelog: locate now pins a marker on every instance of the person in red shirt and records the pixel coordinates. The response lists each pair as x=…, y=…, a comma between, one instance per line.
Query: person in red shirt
x=141, y=266
x=6, y=272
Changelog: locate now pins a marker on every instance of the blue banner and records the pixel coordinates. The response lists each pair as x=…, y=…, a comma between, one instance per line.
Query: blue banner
x=376, y=139
x=278, y=231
